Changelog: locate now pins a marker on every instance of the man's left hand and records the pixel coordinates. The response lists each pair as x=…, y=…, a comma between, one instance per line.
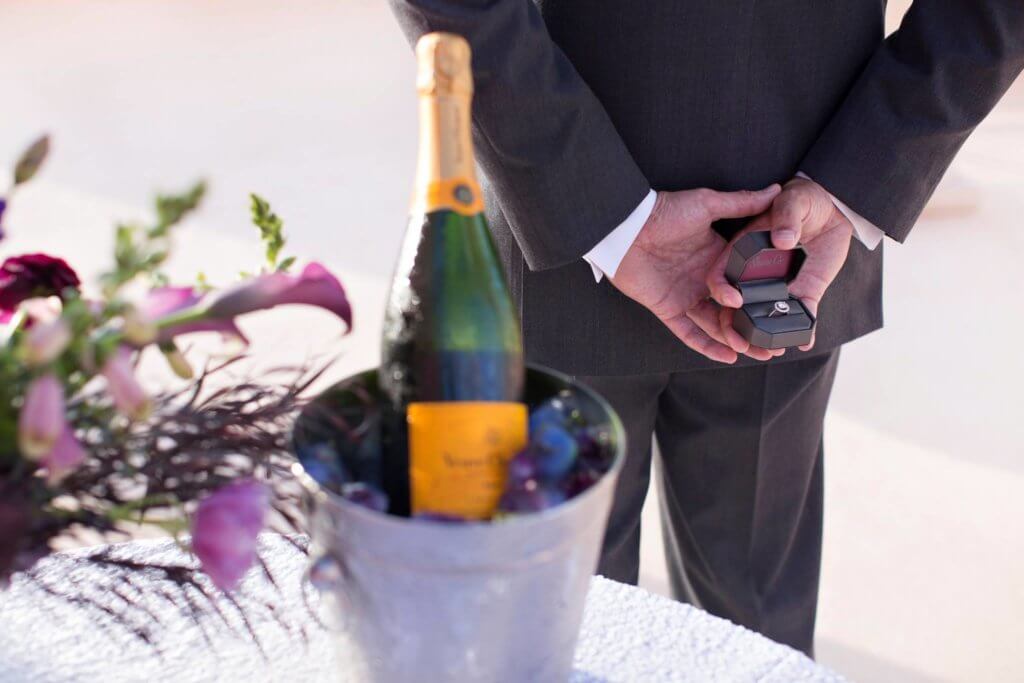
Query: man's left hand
x=802, y=213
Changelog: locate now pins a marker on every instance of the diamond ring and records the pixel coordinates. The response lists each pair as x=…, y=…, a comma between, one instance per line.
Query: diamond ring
x=780, y=308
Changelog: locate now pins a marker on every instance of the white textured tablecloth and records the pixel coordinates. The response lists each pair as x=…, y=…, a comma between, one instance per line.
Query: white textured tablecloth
x=628, y=634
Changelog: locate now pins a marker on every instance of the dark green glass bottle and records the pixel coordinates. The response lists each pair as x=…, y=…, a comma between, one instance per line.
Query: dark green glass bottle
x=452, y=358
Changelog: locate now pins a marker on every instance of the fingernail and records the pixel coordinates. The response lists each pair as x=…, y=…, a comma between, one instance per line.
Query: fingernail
x=784, y=238
x=734, y=300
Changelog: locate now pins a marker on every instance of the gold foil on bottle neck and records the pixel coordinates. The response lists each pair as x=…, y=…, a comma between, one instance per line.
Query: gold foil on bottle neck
x=445, y=170
x=445, y=65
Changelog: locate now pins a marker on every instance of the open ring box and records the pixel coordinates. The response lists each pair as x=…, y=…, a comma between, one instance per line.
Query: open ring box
x=762, y=273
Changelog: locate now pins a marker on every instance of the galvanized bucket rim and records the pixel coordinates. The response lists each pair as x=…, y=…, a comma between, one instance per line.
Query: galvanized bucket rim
x=545, y=516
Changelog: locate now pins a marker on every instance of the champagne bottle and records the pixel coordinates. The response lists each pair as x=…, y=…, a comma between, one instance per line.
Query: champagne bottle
x=452, y=358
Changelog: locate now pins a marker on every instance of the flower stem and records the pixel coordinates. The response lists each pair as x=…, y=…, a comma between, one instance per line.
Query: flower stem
x=13, y=325
x=188, y=315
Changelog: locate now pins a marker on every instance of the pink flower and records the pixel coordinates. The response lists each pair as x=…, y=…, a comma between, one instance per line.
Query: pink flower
x=33, y=275
x=46, y=341
x=315, y=286
x=129, y=396
x=225, y=530
x=164, y=302
x=41, y=420
x=67, y=454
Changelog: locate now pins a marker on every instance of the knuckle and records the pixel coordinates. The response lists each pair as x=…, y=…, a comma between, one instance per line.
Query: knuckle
x=704, y=196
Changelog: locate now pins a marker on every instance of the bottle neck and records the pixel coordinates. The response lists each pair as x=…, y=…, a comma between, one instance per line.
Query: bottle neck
x=445, y=171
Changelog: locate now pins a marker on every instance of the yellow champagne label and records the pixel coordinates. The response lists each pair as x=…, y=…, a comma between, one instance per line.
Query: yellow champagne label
x=459, y=453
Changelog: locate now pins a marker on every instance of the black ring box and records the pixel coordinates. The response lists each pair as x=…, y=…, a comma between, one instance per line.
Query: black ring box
x=762, y=273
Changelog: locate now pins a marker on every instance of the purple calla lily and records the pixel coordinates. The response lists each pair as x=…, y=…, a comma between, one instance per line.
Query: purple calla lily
x=167, y=302
x=225, y=531
x=315, y=286
x=164, y=301
x=178, y=310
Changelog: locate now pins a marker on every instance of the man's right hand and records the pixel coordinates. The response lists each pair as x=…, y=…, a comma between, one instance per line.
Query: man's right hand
x=665, y=268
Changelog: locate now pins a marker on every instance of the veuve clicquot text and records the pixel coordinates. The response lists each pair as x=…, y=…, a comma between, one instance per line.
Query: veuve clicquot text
x=452, y=358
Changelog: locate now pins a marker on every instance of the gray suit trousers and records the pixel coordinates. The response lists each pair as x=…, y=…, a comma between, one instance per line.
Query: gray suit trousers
x=740, y=477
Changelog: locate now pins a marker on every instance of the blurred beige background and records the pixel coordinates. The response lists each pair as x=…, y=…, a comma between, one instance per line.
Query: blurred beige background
x=311, y=103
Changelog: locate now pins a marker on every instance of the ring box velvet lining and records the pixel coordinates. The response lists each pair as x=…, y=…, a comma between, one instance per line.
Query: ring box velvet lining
x=762, y=273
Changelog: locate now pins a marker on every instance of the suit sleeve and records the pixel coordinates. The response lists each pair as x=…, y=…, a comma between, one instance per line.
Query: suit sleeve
x=919, y=97
x=544, y=142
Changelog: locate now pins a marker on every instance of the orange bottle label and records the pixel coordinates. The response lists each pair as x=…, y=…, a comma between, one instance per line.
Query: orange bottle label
x=459, y=453
x=461, y=195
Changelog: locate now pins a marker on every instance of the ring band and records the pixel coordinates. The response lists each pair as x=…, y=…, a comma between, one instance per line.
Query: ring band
x=780, y=309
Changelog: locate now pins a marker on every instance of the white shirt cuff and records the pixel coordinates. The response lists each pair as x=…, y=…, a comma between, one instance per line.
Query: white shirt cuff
x=604, y=259
x=869, y=234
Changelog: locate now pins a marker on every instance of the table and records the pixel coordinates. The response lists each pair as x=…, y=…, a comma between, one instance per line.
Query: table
x=628, y=634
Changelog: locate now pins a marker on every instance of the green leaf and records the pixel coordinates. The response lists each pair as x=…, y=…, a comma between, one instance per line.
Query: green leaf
x=284, y=265
x=271, y=228
x=171, y=209
x=31, y=160
x=142, y=251
x=202, y=283
x=125, y=252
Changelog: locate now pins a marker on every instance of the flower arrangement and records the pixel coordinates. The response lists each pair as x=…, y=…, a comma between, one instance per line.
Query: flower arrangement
x=85, y=446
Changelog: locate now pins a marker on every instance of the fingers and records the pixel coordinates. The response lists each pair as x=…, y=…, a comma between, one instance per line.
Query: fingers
x=716, y=322
x=706, y=316
x=789, y=211
x=812, y=308
x=826, y=255
x=733, y=338
x=720, y=288
x=739, y=204
x=697, y=339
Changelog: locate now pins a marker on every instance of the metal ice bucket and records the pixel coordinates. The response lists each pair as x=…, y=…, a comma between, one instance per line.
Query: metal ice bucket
x=432, y=602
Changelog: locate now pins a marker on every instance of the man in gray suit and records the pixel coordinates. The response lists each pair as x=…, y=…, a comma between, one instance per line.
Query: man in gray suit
x=599, y=126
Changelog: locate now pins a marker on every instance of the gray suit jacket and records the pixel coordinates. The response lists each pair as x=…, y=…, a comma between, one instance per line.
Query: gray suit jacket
x=582, y=106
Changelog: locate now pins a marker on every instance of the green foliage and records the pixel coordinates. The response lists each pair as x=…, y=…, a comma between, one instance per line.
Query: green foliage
x=271, y=229
x=172, y=208
x=141, y=251
x=13, y=378
x=203, y=285
x=31, y=160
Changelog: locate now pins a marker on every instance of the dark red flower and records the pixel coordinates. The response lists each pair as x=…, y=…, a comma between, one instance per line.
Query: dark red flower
x=31, y=275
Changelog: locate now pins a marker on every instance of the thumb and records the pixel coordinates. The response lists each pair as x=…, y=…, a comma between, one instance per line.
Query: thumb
x=740, y=204
x=787, y=217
